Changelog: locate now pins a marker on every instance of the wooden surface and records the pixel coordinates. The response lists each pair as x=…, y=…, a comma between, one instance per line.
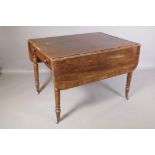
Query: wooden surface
x=83, y=58
x=75, y=71
x=64, y=46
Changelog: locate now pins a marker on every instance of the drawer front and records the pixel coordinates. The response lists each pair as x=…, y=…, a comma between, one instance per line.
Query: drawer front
x=41, y=57
x=83, y=69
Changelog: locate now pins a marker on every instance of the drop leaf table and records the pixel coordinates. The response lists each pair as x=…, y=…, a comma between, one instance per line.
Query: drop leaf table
x=83, y=58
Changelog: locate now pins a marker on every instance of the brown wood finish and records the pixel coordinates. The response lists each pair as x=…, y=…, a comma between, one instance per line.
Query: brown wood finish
x=129, y=76
x=83, y=58
x=57, y=102
x=36, y=74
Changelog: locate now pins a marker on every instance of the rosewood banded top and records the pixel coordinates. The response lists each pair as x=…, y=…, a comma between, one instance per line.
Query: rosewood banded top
x=72, y=45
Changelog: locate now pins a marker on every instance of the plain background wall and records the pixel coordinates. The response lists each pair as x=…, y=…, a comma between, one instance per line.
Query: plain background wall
x=14, y=51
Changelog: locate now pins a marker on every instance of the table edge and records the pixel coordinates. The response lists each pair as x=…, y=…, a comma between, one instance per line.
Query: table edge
x=134, y=44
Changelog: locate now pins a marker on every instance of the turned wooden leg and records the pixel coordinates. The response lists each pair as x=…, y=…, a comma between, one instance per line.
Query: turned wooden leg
x=129, y=76
x=57, y=104
x=36, y=74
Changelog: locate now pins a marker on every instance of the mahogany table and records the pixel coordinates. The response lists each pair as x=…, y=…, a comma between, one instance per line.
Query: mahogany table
x=79, y=59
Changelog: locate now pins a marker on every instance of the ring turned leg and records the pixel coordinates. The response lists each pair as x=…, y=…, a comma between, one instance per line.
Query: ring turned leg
x=129, y=76
x=36, y=74
x=57, y=104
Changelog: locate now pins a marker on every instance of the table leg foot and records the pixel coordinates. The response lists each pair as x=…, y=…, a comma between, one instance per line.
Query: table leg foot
x=58, y=115
x=57, y=104
x=129, y=76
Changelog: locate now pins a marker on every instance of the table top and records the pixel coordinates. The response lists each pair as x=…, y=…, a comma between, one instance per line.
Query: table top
x=64, y=46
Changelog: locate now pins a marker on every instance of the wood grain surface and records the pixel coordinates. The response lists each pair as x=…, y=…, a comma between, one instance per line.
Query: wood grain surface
x=79, y=59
